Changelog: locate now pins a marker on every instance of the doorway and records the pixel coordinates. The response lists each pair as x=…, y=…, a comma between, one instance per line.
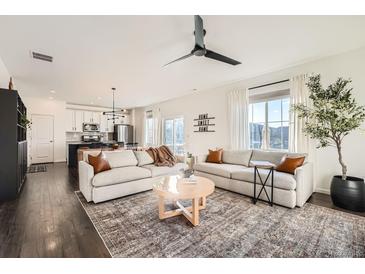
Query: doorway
x=42, y=139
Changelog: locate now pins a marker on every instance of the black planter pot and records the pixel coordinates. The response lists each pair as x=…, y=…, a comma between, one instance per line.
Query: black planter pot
x=348, y=194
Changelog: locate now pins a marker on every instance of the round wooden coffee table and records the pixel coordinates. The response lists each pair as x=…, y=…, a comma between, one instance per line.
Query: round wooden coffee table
x=176, y=188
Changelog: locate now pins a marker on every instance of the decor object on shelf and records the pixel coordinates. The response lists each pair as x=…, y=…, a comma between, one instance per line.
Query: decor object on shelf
x=11, y=85
x=203, y=122
x=333, y=116
x=24, y=122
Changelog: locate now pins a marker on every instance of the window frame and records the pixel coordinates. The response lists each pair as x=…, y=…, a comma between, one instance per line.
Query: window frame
x=267, y=122
x=147, y=117
x=173, y=118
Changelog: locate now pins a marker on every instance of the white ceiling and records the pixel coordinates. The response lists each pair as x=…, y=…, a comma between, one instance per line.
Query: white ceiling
x=93, y=53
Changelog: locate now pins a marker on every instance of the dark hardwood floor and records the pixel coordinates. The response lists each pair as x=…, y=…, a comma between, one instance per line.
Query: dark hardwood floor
x=47, y=220
x=325, y=200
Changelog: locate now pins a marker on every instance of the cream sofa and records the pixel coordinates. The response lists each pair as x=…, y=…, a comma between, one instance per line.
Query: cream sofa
x=131, y=172
x=236, y=174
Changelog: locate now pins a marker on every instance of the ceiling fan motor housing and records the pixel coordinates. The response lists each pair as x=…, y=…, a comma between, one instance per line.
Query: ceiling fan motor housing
x=198, y=51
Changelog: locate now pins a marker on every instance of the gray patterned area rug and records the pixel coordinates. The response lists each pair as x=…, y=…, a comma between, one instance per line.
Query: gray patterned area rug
x=230, y=226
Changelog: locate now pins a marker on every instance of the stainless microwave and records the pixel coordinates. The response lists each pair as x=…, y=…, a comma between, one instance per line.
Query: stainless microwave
x=89, y=127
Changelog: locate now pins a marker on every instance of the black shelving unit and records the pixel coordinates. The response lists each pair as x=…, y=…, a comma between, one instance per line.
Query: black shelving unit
x=13, y=140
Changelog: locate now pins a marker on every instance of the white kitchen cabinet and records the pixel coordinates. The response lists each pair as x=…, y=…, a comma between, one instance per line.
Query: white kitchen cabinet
x=79, y=120
x=70, y=125
x=88, y=117
x=104, y=123
x=74, y=120
x=96, y=117
x=92, y=117
x=110, y=126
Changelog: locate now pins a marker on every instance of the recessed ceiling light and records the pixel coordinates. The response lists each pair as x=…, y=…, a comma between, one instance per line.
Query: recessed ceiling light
x=52, y=91
x=92, y=103
x=50, y=98
x=124, y=110
x=99, y=98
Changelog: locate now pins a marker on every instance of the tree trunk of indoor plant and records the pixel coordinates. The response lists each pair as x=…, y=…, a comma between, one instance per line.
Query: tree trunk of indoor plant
x=344, y=167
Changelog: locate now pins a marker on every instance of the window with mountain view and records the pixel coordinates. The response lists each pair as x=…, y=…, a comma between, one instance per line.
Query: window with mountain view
x=174, y=135
x=269, y=124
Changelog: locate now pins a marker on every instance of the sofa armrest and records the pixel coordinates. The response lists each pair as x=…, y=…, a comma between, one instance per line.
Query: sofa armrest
x=201, y=158
x=304, y=178
x=86, y=174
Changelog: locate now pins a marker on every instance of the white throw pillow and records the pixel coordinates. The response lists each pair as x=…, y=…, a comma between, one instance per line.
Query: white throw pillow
x=120, y=158
x=237, y=157
x=143, y=158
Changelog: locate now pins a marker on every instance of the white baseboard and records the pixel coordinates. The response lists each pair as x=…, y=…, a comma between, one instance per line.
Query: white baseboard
x=322, y=190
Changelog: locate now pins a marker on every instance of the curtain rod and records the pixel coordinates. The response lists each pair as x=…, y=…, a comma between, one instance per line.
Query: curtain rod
x=265, y=85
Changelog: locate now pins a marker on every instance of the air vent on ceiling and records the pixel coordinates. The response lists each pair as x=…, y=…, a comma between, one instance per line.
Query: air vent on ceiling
x=43, y=57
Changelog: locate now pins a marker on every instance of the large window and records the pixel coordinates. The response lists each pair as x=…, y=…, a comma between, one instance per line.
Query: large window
x=149, y=129
x=173, y=134
x=269, y=124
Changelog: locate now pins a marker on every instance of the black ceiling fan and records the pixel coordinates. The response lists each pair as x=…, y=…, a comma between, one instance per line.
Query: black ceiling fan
x=200, y=49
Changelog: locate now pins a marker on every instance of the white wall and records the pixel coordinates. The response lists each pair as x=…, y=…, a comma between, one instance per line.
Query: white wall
x=4, y=75
x=214, y=103
x=57, y=109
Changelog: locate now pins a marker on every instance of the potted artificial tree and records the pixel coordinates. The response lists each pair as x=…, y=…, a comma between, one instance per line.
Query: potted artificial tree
x=332, y=117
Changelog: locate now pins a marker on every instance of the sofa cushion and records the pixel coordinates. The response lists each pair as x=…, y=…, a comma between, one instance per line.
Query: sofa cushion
x=120, y=175
x=99, y=163
x=165, y=170
x=143, y=158
x=223, y=170
x=121, y=158
x=215, y=156
x=274, y=157
x=281, y=180
x=237, y=157
x=289, y=165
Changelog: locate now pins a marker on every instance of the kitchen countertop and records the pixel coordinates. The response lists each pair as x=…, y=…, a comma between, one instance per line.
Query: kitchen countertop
x=88, y=143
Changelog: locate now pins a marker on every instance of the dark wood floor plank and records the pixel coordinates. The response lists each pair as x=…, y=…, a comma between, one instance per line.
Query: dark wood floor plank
x=47, y=220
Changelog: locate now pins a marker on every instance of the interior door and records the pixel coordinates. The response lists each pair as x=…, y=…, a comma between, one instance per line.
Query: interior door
x=42, y=139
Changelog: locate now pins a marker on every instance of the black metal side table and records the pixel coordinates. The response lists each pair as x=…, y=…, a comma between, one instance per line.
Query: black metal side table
x=263, y=165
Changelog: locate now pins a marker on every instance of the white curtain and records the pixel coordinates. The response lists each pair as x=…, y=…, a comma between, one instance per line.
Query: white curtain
x=144, y=129
x=238, y=119
x=299, y=94
x=157, y=127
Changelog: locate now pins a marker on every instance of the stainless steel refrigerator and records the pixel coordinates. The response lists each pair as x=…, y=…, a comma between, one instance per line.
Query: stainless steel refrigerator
x=123, y=134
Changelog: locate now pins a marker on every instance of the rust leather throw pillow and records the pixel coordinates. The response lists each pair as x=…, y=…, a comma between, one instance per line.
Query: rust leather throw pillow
x=99, y=163
x=290, y=164
x=215, y=156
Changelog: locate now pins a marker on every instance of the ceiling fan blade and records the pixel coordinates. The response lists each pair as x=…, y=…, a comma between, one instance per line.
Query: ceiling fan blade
x=222, y=58
x=179, y=59
x=199, y=31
